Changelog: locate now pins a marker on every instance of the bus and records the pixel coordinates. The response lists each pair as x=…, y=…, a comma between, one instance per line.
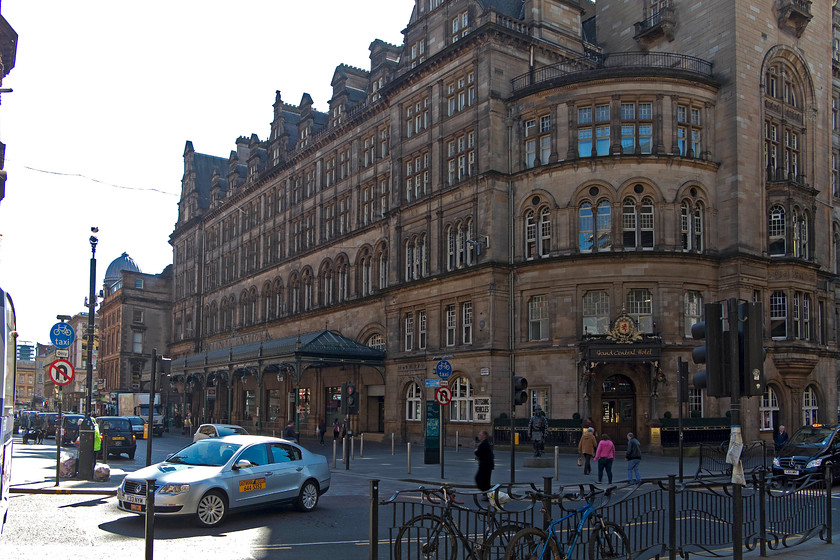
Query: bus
x=8, y=360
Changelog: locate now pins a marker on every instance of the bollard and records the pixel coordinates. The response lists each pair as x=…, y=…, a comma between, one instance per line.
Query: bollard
x=457, y=441
x=408, y=455
x=343, y=448
x=150, y=518
x=393, y=449
x=557, y=462
x=362, y=445
x=352, y=447
x=335, y=448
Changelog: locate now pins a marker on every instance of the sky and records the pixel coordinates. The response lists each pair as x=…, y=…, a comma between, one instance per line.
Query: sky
x=105, y=96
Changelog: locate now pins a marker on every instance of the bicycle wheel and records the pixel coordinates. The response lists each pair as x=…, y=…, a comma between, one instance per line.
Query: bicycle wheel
x=496, y=545
x=608, y=541
x=426, y=536
x=532, y=544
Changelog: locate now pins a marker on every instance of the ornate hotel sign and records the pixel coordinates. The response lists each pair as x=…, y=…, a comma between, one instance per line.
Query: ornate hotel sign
x=624, y=342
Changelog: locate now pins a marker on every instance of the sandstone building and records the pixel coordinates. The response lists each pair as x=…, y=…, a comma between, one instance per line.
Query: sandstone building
x=543, y=188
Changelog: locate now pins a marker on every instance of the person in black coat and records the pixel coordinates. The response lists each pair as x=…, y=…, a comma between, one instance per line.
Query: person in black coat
x=484, y=456
x=781, y=438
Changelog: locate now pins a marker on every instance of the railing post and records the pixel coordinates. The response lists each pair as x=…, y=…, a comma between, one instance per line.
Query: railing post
x=362, y=445
x=762, y=512
x=546, y=501
x=828, y=482
x=457, y=441
x=408, y=456
x=373, y=529
x=393, y=449
x=672, y=516
x=557, y=462
x=737, y=521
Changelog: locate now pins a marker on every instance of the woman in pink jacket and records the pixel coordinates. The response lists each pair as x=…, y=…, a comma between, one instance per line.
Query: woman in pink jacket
x=605, y=455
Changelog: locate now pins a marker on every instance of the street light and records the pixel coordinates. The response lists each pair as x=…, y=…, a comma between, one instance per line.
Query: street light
x=87, y=458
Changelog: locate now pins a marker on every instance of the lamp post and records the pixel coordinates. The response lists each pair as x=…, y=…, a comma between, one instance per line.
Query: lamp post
x=87, y=458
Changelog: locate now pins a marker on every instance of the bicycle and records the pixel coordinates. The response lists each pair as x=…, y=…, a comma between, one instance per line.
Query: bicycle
x=606, y=539
x=431, y=535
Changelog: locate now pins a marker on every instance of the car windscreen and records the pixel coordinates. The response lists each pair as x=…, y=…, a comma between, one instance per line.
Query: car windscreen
x=811, y=436
x=115, y=424
x=209, y=452
x=231, y=430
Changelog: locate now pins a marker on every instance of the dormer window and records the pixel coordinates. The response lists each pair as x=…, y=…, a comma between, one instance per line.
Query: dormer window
x=460, y=25
x=418, y=52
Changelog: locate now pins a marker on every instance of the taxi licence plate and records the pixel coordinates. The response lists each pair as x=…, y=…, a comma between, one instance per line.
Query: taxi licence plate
x=118, y=438
x=793, y=472
x=132, y=499
x=249, y=484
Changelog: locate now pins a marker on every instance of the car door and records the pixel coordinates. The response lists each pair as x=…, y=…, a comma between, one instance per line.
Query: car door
x=252, y=485
x=289, y=472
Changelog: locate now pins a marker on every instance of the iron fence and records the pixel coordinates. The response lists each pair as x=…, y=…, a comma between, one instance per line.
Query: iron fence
x=661, y=518
x=754, y=457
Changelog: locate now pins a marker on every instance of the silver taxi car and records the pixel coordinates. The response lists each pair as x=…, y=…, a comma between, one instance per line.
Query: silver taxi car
x=214, y=476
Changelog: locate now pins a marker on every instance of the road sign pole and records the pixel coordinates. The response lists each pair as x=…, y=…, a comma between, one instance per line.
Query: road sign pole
x=442, y=431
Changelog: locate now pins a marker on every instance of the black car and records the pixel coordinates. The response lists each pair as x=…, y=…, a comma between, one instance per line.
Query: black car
x=808, y=451
x=138, y=426
x=116, y=435
x=70, y=427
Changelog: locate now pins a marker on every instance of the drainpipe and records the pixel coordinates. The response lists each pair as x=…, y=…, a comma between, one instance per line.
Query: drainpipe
x=511, y=301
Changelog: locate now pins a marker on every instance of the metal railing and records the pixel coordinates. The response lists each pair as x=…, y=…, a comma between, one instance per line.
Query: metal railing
x=659, y=517
x=754, y=457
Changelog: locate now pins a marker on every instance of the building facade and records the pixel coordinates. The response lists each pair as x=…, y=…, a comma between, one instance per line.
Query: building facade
x=549, y=189
x=134, y=319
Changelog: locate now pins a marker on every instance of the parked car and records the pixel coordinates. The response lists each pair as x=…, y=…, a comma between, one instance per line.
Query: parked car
x=117, y=436
x=138, y=426
x=214, y=476
x=70, y=427
x=808, y=451
x=218, y=430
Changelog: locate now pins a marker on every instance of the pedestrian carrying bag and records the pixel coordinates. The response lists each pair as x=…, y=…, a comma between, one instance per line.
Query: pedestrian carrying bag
x=580, y=461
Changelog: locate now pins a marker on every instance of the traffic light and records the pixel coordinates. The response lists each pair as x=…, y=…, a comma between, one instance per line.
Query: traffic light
x=352, y=399
x=751, y=351
x=520, y=390
x=682, y=379
x=715, y=378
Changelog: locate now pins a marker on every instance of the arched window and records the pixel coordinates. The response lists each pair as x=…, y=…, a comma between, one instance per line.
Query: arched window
x=252, y=306
x=693, y=310
x=243, y=309
x=691, y=226
x=776, y=231
x=294, y=294
x=365, y=272
x=537, y=233
x=769, y=409
x=413, y=401
x=596, y=312
x=586, y=228
x=382, y=266
x=810, y=406
x=307, y=289
x=450, y=248
x=376, y=341
x=325, y=284
x=343, y=271
x=461, y=407
x=267, y=302
x=603, y=220
x=637, y=224
x=279, y=307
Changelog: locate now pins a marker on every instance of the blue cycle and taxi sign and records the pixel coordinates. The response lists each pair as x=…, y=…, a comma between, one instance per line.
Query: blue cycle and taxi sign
x=62, y=335
x=443, y=369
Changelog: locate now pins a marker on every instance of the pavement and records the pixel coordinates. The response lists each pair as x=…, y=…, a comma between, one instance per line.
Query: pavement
x=34, y=471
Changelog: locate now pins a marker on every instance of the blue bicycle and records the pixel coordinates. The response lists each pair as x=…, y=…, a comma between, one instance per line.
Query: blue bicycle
x=606, y=539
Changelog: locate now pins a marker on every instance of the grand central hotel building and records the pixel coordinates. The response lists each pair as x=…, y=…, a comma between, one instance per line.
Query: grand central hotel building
x=543, y=188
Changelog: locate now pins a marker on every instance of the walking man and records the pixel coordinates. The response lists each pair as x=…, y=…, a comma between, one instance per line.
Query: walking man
x=486, y=464
x=781, y=438
x=634, y=457
x=586, y=447
x=605, y=455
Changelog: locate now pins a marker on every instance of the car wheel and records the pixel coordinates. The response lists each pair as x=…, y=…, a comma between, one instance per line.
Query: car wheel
x=308, y=497
x=212, y=509
x=131, y=454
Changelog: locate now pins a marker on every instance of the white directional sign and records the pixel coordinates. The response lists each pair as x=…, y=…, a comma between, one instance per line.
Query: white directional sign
x=61, y=372
x=443, y=395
